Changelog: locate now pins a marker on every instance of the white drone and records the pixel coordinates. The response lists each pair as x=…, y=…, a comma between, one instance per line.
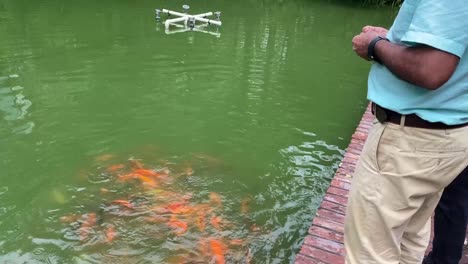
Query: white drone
x=189, y=21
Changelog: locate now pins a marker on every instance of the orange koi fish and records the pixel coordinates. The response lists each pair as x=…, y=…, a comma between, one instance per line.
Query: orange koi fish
x=89, y=220
x=237, y=242
x=179, y=226
x=200, y=221
x=147, y=181
x=128, y=176
x=144, y=172
x=110, y=234
x=215, y=199
x=218, y=249
x=115, y=167
x=124, y=203
x=179, y=208
x=216, y=222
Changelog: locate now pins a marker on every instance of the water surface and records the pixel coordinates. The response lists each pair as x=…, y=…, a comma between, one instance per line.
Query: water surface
x=257, y=117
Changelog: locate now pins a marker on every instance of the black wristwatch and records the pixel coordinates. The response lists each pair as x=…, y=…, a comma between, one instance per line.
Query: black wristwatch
x=371, y=49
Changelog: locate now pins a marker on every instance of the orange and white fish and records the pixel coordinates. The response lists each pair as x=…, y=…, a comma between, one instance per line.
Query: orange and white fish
x=216, y=222
x=115, y=167
x=200, y=221
x=125, y=203
x=218, y=250
x=110, y=234
x=66, y=219
x=88, y=222
x=179, y=226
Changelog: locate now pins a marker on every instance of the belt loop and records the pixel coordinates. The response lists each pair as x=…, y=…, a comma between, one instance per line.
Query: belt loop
x=402, y=121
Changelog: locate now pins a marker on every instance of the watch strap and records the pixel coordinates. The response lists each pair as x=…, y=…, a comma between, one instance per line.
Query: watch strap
x=371, y=48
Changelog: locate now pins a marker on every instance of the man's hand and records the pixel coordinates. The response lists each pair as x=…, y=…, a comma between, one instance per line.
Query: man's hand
x=361, y=42
x=379, y=30
x=421, y=65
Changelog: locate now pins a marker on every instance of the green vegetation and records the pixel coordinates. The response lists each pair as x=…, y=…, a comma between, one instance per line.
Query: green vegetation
x=384, y=2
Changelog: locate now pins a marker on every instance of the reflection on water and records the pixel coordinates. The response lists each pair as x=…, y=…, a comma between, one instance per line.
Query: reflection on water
x=255, y=116
x=14, y=106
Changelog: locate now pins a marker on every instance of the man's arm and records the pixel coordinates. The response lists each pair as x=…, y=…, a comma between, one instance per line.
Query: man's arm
x=423, y=66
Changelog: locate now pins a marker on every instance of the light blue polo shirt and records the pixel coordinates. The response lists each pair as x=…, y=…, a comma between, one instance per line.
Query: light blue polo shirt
x=442, y=25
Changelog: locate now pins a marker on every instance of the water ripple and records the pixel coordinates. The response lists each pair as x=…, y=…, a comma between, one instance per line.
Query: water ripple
x=15, y=107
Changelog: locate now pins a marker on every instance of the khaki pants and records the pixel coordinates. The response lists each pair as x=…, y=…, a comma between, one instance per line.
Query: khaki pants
x=397, y=184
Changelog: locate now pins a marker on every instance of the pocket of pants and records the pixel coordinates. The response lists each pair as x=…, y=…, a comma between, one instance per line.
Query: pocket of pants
x=440, y=153
x=382, y=150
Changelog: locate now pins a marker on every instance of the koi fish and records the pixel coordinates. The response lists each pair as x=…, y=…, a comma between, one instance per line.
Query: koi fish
x=179, y=226
x=89, y=220
x=147, y=181
x=124, y=203
x=176, y=208
x=216, y=222
x=110, y=234
x=128, y=176
x=69, y=218
x=218, y=249
x=144, y=172
x=115, y=167
x=215, y=199
x=237, y=242
x=200, y=221
x=104, y=157
x=245, y=205
x=254, y=228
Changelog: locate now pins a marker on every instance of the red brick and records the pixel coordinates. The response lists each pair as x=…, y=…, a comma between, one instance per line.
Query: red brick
x=302, y=259
x=337, y=208
x=335, y=199
x=326, y=234
x=322, y=255
x=337, y=191
x=340, y=184
x=327, y=214
x=328, y=224
x=325, y=244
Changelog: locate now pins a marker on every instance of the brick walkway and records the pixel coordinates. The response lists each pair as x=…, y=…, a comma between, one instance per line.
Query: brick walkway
x=324, y=242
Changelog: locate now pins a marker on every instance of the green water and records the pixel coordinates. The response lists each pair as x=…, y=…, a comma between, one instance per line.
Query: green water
x=259, y=115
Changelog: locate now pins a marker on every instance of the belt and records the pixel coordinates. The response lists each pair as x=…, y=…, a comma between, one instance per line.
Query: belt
x=412, y=120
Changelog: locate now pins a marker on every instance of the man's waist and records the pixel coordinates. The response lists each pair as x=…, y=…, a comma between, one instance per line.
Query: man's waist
x=411, y=120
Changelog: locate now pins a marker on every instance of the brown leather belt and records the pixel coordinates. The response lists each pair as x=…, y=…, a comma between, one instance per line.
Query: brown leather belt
x=412, y=120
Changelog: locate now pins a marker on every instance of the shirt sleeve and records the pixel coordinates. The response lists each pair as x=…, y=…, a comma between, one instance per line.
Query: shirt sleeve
x=440, y=24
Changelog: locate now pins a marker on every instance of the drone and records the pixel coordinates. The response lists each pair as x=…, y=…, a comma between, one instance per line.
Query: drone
x=185, y=22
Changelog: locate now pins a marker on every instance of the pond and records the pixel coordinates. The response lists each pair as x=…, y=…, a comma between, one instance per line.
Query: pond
x=121, y=143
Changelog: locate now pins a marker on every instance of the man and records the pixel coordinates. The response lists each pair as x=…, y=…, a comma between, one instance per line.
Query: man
x=419, y=142
x=450, y=220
